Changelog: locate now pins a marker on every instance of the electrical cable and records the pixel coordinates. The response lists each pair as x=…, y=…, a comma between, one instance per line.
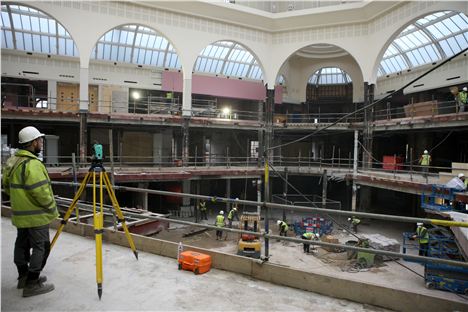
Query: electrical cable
x=307, y=199
x=370, y=104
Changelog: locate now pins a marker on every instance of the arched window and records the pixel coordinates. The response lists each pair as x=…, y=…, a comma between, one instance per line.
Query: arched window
x=136, y=44
x=329, y=76
x=229, y=59
x=28, y=29
x=281, y=81
x=432, y=38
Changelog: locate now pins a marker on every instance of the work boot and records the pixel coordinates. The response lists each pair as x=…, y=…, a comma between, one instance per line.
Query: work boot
x=22, y=280
x=36, y=287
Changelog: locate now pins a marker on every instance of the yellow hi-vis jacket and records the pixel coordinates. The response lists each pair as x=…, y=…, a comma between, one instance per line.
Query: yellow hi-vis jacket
x=26, y=180
x=423, y=235
x=283, y=226
x=463, y=97
x=202, y=206
x=220, y=221
x=425, y=160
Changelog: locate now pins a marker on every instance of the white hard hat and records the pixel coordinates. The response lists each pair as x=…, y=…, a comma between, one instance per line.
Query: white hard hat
x=278, y=222
x=349, y=219
x=317, y=235
x=29, y=134
x=461, y=175
x=419, y=223
x=235, y=209
x=221, y=212
x=426, y=152
x=237, y=198
x=465, y=89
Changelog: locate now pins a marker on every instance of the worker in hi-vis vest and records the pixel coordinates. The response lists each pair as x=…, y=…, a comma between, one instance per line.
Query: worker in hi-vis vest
x=422, y=235
x=220, y=223
x=202, y=208
x=283, y=227
x=425, y=161
x=33, y=208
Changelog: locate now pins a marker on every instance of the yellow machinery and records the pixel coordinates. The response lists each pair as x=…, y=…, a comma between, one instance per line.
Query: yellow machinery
x=249, y=245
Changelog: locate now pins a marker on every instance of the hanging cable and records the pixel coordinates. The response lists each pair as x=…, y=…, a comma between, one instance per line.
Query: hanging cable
x=370, y=104
x=308, y=200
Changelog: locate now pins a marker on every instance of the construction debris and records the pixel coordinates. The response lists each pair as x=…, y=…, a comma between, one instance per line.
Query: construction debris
x=381, y=242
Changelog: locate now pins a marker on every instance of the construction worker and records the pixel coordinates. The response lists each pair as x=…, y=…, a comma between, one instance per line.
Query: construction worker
x=220, y=223
x=354, y=222
x=309, y=236
x=202, y=208
x=231, y=215
x=425, y=161
x=457, y=183
x=462, y=98
x=422, y=235
x=33, y=207
x=283, y=227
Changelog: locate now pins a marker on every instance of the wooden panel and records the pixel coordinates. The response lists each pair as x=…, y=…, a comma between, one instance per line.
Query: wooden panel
x=421, y=109
x=137, y=147
x=67, y=97
x=93, y=99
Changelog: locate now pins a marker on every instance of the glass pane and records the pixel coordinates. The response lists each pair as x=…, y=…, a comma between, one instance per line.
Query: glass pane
x=28, y=42
x=17, y=21
x=35, y=24
x=5, y=20
x=52, y=27
x=53, y=45
x=130, y=37
x=36, y=40
x=44, y=25
x=26, y=22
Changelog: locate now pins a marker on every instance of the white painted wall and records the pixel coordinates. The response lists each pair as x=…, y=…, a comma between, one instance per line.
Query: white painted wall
x=365, y=41
x=441, y=77
x=298, y=70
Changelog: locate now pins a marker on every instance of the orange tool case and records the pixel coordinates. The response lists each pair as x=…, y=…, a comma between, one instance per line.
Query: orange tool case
x=194, y=261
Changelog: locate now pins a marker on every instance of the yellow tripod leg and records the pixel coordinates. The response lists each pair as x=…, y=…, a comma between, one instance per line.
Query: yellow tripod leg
x=70, y=209
x=98, y=230
x=120, y=215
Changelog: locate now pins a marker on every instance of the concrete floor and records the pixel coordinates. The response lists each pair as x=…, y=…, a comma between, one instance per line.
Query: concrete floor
x=402, y=275
x=149, y=284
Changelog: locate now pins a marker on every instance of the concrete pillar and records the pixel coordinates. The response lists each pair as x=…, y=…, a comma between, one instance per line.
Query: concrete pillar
x=186, y=189
x=267, y=154
x=84, y=88
x=141, y=199
x=83, y=135
x=324, y=188
x=185, y=141
x=187, y=95
x=368, y=129
x=355, y=161
x=314, y=151
x=52, y=94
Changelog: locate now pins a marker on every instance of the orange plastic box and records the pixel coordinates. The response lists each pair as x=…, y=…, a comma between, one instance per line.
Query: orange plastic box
x=194, y=261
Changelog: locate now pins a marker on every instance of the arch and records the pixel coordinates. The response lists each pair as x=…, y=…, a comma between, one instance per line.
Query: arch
x=297, y=71
x=40, y=31
x=280, y=80
x=334, y=75
x=283, y=53
x=229, y=58
x=388, y=43
x=135, y=43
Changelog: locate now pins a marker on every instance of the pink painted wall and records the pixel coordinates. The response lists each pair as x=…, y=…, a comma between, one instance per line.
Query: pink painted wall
x=217, y=86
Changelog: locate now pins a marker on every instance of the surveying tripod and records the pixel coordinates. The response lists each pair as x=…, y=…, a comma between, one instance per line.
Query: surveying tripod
x=98, y=216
